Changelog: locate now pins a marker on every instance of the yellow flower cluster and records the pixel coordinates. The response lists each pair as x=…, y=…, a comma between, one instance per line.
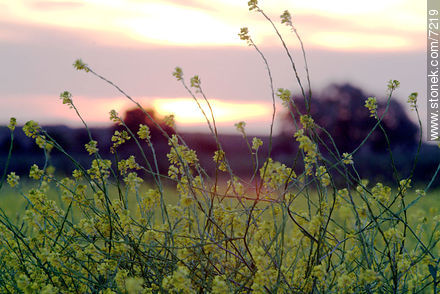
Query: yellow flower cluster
x=310, y=149
x=144, y=132
x=393, y=84
x=133, y=181
x=412, y=100
x=13, y=179
x=276, y=175
x=126, y=164
x=381, y=193
x=12, y=123
x=240, y=127
x=118, y=139
x=347, y=158
x=43, y=143
x=253, y=4
x=244, y=35
x=219, y=159
x=169, y=121
x=100, y=169
x=31, y=129
x=66, y=96
x=256, y=143
x=371, y=105
x=35, y=173
x=80, y=65
x=179, y=154
x=178, y=73
x=195, y=82
x=286, y=18
x=92, y=147
x=307, y=121
x=114, y=117
x=323, y=176
x=285, y=96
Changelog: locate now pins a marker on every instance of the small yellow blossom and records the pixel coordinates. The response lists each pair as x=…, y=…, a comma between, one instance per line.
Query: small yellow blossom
x=35, y=173
x=420, y=193
x=393, y=235
x=133, y=181
x=323, y=176
x=381, y=193
x=371, y=105
x=285, y=95
x=12, y=123
x=77, y=174
x=66, y=96
x=118, y=139
x=80, y=65
x=186, y=200
x=31, y=129
x=286, y=18
x=244, y=35
x=43, y=143
x=144, y=132
x=169, y=121
x=92, y=147
x=150, y=199
x=412, y=100
x=404, y=185
x=13, y=179
x=178, y=73
x=347, y=158
x=256, y=143
x=219, y=159
x=195, y=82
x=125, y=164
x=306, y=144
x=360, y=188
x=240, y=127
x=114, y=116
x=100, y=169
x=393, y=84
x=307, y=121
x=253, y=4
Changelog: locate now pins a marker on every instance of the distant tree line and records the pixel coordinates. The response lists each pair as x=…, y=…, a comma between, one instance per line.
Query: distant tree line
x=339, y=109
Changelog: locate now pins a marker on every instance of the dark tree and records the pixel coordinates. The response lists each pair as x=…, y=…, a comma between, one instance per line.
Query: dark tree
x=341, y=111
x=134, y=117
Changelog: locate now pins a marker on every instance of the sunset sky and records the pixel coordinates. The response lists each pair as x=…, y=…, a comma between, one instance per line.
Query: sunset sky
x=138, y=43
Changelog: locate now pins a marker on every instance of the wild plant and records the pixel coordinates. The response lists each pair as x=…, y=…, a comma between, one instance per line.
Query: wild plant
x=276, y=231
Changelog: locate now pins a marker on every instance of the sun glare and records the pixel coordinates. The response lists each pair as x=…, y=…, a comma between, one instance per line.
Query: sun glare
x=186, y=110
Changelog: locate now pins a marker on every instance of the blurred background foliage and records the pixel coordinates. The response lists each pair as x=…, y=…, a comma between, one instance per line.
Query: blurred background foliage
x=340, y=110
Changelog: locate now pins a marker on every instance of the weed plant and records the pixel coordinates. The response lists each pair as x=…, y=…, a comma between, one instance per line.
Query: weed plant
x=274, y=232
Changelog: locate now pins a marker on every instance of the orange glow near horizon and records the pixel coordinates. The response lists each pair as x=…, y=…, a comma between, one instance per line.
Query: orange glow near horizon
x=187, y=112
x=96, y=110
x=388, y=24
